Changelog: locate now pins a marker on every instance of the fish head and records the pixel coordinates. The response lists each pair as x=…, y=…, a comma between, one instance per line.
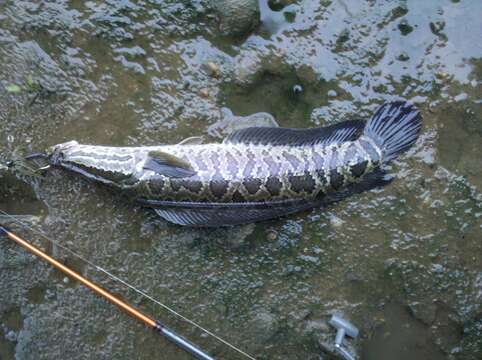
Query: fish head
x=57, y=153
x=109, y=165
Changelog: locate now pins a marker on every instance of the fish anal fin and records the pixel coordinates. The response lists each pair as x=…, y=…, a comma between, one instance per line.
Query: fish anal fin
x=214, y=215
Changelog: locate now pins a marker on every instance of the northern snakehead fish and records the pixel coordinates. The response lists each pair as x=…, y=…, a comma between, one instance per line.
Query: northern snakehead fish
x=255, y=173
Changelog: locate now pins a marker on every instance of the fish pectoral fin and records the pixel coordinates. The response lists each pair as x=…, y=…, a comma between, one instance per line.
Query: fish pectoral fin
x=333, y=134
x=193, y=140
x=169, y=165
x=218, y=214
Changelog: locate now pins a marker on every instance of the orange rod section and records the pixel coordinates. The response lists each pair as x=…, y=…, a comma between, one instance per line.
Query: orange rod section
x=105, y=294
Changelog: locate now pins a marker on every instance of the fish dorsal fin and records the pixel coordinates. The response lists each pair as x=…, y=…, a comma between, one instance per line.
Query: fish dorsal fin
x=333, y=134
x=169, y=165
x=193, y=140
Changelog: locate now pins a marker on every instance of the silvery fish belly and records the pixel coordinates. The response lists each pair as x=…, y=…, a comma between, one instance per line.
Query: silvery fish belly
x=256, y=173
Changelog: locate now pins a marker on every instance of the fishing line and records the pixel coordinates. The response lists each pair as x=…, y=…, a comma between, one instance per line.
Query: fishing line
x=115, y=278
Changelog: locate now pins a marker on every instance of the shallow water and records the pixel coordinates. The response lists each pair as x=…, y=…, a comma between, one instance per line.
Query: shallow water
x=402, y=263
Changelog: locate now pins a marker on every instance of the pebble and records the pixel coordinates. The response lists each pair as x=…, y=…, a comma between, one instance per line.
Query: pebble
x=461, y=97
x=335, y=221
x=332, y=93
x=272, y=235
x=11, y=336
x=405, y=27
x=297, y=89
x=213, y=69
x=403, y=56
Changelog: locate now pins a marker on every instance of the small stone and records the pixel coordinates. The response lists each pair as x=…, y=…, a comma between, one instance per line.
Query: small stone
x=461, y=97
x=213, y=69
x=442, y=75
x=11, y=336
x=437, y=268
x=66, y=280
x=237, y=17
x=403, y=56
x=317, y=326
x=425, y=312
x=437, y=26
x=230, y=122
x=404, y=27
x=204, y=92
x=302, y=314
x=354, y=277
x=332, y=93
x=335, y=221
x=344, y=36
x=272, y=235
x=297, y=89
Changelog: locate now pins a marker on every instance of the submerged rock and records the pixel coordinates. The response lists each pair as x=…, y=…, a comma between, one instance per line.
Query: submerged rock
x=237, y=17
x=231, y=122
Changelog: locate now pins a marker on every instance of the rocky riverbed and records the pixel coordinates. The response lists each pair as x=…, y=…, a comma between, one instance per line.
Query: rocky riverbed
x=403, y=263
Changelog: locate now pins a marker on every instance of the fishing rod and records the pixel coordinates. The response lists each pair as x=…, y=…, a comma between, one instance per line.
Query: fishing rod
x=147, y=320
x=144, y=318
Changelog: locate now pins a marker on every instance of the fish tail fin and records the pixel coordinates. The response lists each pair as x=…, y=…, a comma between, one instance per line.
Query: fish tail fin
x=394, y=128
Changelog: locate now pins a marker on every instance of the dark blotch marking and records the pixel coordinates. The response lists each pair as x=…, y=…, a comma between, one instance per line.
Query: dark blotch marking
x=192, y=186
x=156, y=185
x=175, y=185
x=219, y=187
x=319, y=194
x=358, y=170
x=336, y=179
x=252, y=185
x=322, y=176
x=274, y=186
x=300, y=183
x=238, y=197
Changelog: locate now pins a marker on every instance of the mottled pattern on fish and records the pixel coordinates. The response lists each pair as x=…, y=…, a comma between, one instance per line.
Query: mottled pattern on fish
x=231, y=172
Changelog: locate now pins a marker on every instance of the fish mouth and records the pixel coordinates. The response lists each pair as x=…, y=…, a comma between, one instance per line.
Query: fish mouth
x=55, y=154
x=39, y=155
